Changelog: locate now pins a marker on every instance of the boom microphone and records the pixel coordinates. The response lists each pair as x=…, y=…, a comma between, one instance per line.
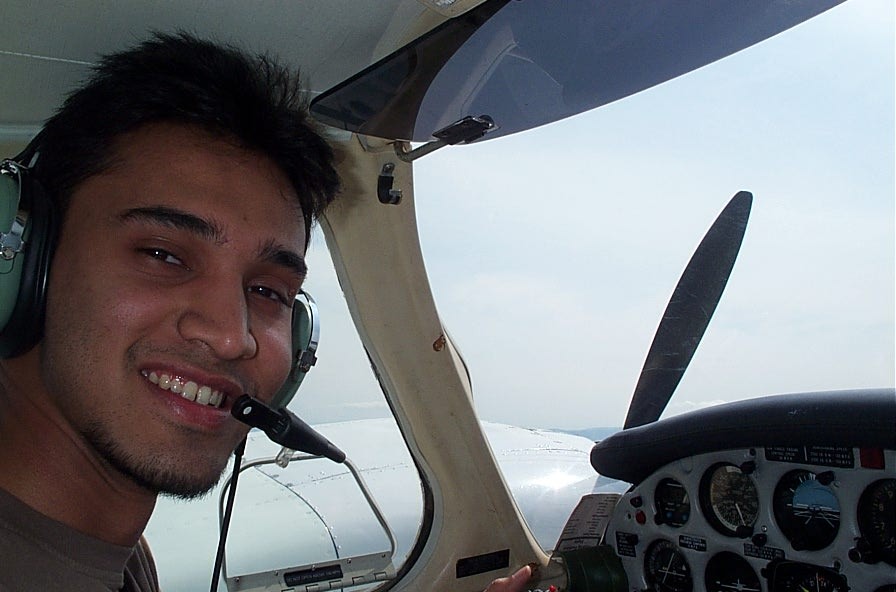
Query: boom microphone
x=285, y=428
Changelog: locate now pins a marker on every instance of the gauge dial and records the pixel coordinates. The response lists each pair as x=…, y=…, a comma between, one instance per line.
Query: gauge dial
x=729, y=499
x=790, y=576
x=673, y=506
x=877, y=519
x=807, y=511
x=728, y=572
x=666, y=568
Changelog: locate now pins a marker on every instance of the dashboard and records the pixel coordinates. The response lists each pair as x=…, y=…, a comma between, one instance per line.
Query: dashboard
x=810, y=506
x=757, y=519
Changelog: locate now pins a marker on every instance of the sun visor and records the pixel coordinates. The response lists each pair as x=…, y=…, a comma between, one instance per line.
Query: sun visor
x=525, y=63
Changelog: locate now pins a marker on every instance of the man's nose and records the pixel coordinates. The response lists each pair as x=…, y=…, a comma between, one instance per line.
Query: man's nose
x=219, y=318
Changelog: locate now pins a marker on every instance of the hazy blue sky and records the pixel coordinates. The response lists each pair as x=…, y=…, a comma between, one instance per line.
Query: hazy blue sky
x=552, y=253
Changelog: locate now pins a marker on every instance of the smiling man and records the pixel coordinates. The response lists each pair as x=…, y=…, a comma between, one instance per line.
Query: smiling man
x=185, y=178
x=170, y=204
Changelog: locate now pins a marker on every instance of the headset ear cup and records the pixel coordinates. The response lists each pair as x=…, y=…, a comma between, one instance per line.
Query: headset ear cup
x=24, y=287
x=305, y=333
x=10, y=269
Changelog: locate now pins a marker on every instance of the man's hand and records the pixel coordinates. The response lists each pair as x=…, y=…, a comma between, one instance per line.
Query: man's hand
x=514, y=583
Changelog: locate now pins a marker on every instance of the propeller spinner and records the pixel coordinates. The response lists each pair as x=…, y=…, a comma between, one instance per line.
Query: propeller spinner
x=688, y=313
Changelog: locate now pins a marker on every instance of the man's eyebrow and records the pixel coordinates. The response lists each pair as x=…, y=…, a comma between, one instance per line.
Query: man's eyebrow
x=174, y=218
x=205, y=229
x=276, y=254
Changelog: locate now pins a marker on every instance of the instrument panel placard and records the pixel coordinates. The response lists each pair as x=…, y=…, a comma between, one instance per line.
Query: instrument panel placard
x=825, y=456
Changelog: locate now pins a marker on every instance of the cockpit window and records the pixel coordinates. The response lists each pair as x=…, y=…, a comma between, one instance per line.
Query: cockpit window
x=526, y=63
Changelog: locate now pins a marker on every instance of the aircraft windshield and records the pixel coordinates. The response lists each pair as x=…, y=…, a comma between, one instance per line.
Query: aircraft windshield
x=552, y=253
x=524, y=64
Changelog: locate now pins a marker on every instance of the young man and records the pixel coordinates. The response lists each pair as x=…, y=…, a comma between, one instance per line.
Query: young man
x=185, y=178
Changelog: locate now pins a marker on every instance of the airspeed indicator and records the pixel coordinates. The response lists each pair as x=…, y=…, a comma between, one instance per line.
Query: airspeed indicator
x=729, y=499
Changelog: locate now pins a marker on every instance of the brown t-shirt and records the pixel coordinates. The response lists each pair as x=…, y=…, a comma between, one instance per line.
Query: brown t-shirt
x=38, y=553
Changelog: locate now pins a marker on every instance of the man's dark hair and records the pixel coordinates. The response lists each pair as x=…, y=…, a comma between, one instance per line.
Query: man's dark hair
x=250, y=100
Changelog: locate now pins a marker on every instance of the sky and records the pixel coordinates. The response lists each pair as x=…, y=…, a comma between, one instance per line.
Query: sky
x=552, y=252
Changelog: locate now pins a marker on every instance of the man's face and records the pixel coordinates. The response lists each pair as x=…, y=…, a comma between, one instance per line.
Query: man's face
x=173, y=280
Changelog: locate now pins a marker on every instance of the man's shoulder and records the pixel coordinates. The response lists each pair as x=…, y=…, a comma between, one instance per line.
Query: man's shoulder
x=39, y=553
x=140, y=572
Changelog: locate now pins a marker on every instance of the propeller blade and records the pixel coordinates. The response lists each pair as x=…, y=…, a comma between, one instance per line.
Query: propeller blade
x=688, y=313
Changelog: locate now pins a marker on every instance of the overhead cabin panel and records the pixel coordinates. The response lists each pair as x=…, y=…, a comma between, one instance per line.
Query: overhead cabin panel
x=47, y=47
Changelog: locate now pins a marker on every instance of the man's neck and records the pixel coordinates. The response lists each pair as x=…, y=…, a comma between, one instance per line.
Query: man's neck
x=50, y=467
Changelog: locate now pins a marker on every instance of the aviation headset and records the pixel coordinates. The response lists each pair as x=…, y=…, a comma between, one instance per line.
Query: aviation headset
x=28, y=232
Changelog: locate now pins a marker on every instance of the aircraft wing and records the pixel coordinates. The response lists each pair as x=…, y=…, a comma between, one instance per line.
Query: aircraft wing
x=312, y=512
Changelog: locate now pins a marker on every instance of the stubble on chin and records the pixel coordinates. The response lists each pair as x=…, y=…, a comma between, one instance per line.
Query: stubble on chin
x=177, y=475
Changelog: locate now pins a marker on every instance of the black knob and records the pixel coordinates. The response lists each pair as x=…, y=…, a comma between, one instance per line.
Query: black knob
x=825, y=478
x=862, y=552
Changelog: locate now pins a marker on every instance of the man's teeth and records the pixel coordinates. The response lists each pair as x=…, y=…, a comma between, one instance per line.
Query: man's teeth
x=189, y=390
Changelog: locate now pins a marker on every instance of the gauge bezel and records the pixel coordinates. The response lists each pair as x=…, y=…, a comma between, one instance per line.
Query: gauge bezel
x=709, y=507
x=660, y=517
x=727, y=559
x=649, y=574
x=803, y=535
x=865, y=511
x=789, y=575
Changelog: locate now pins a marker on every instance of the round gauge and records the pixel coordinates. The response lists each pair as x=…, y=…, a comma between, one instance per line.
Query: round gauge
x=807, y=510
x=673, y=507
x=666, y=568
x=728, y=572
x=877, y=519
x=802, y=577
x=729, y=499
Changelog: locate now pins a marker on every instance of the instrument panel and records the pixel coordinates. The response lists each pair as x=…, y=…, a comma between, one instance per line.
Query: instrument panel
x=772, y=519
